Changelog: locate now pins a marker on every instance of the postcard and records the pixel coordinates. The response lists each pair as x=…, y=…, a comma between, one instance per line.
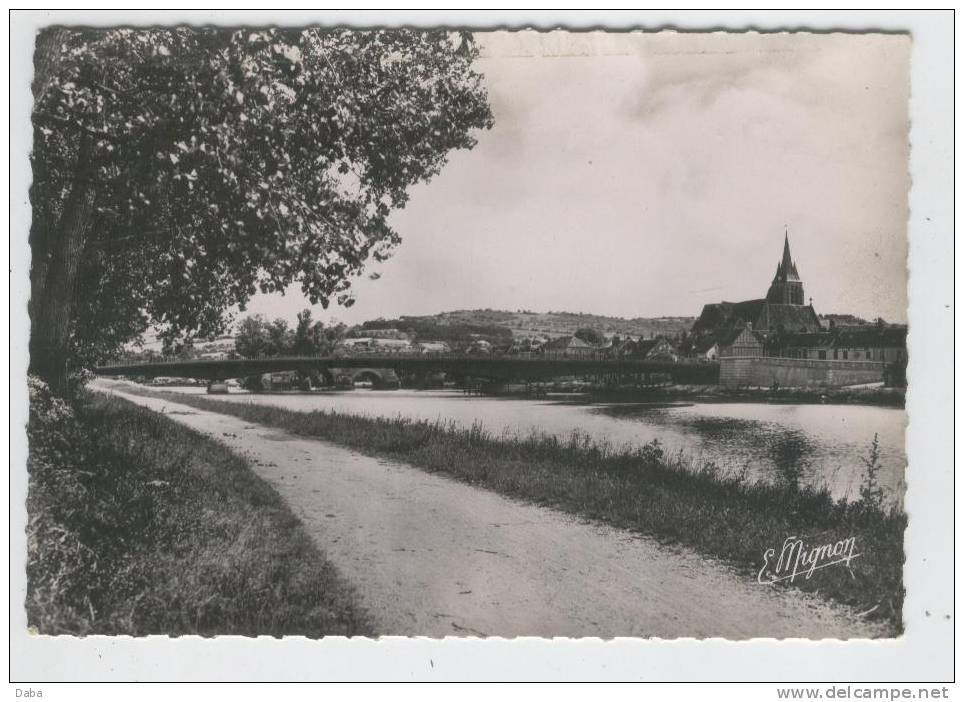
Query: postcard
x=461, y=332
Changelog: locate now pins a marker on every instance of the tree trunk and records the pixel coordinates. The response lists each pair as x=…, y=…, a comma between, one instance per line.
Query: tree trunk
x=46, y=61
x=46, y=58
x=51, y=311
x=56, y=248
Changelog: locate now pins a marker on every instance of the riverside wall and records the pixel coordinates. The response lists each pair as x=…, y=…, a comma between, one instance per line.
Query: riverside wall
x=797, y=372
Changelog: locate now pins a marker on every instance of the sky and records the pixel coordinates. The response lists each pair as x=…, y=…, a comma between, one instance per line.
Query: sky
x=646, y=174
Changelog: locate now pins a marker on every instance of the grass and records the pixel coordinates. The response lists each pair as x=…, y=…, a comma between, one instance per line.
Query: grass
x=639, y=489
x=137, y=525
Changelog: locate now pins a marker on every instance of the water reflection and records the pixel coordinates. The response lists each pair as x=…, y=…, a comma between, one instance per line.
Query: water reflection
x=790, y=453
x=799, y=445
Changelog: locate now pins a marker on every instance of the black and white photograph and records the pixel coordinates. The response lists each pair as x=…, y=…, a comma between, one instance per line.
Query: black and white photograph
x=452, y=331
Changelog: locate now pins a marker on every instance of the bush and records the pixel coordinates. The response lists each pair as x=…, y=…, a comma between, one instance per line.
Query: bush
x=137, y=525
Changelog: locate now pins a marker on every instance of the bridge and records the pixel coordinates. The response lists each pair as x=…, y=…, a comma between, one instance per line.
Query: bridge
x=502, y=368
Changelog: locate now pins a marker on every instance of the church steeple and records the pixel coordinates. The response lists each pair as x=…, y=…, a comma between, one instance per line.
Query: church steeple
x=786, y=288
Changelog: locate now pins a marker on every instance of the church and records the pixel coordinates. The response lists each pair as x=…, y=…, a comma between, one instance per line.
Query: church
x=781, y=325
x=783, y=311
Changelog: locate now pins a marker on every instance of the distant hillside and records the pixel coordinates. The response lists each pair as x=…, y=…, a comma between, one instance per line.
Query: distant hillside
x=525, y=323
x=461, y=327
x=549, y=324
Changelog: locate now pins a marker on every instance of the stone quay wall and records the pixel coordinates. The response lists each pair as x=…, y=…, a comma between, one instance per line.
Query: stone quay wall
x=797, y=372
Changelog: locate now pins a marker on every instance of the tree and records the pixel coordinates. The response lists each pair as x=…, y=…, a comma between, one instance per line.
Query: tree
x=187, y=351
x=176, y=172
x=328, y=337
x=590, y=336
x=304, y=342
x=318, y=337
x=313, y=338
x=279, y=338
x=251, y=340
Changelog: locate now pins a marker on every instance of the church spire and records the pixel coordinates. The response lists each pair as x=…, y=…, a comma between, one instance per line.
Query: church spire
x=787, y=261
x=786, y=289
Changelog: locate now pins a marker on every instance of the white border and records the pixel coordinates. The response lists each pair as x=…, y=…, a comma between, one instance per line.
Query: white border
x=924, y=653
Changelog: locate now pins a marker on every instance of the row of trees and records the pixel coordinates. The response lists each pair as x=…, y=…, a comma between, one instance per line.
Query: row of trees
x=179, y=171
x=258, y=337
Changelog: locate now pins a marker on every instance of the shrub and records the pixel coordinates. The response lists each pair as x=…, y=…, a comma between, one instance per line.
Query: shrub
x=871, y=492
x=137, y=525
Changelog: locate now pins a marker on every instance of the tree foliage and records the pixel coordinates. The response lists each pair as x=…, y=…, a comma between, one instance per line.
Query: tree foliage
x=195, y=167
x=256, y=336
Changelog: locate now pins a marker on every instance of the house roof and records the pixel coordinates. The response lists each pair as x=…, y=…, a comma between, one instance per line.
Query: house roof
x=809, y=339
x=721, y=316
x=727, y=338
x=792, y=318
x=871, y=336
x=644, y=346
x=864, y=336
x=567, y=342
x=375, y=341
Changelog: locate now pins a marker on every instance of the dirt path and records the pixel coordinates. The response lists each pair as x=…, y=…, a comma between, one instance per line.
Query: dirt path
x=430, y=556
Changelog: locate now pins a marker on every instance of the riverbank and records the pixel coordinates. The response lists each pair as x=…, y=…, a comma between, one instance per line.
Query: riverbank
x=875, y=395
x=640, y=489
x=140, y=526
x=856, y=395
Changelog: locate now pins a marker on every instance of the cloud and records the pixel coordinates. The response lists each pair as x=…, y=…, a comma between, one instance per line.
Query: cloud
x=628, y=173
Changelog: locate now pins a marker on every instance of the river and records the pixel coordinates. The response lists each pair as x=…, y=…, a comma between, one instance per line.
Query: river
x=816, y=444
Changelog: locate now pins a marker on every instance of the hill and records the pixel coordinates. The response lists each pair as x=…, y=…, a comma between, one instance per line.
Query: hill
x=522, y=323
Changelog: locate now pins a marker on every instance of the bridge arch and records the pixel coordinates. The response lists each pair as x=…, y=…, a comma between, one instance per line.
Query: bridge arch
x=380, y=378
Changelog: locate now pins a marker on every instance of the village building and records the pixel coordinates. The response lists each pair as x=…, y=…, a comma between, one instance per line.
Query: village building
x=743, y=342
x=706, y=349
x=886, y=343
x=380, y=333
x=375, y=345
x=217, y=349
x=621, y=347
x=213, y=355
x=657, y=349
x=433, y=347
x=803, y=345
x=875, y=342
x=527, y=344
x=569, y=346
x=479, y=346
